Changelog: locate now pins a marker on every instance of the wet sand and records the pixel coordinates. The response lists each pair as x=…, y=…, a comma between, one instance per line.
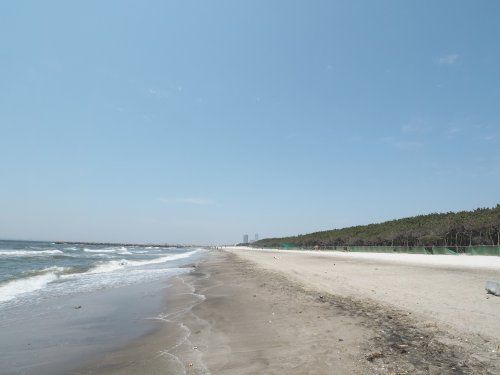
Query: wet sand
x=52, y=336
x=236, y=316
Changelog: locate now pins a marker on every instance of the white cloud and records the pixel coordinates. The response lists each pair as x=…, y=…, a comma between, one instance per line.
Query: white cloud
x=409, y=145
x=403, y=144
x=189, y=200
x=158, y=93
x=416, y=126
x=449, y=59
x=489, y=138
x=197, y=200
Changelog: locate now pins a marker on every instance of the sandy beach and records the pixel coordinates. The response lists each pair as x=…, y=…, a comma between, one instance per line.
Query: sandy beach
x=448, y=289
x=243, y=311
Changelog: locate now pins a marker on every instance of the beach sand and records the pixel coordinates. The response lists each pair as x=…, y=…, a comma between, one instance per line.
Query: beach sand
x=448, y=289
x=260, y=312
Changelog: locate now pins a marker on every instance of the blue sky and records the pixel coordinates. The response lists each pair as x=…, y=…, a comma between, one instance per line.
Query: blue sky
x=197, y=121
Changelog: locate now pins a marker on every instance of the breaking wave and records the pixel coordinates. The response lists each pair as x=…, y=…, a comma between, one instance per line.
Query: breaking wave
x=29, y=253
x=118, y=264
x=37, y=280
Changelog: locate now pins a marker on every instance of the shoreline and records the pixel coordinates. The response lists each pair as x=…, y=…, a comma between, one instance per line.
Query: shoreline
x=222, y=318
x=233, y=315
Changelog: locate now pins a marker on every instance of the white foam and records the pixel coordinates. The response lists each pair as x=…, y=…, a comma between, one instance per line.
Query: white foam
x=14, y=288
x=53, y=269
x=162, y=259
x=109, y=266
x=29, y=253
x=119, y=250
x=119, y=264
x=99, y=250
x=124, y=252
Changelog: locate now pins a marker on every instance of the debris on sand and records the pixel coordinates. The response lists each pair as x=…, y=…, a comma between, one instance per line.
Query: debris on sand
x=374, y=356
x=493, y=287
x=77, y=307
x=402, y=348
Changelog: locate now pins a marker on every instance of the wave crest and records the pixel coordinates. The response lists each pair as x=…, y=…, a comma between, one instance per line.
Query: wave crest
x=118, y=264
x=35, y=281
x=29, y=253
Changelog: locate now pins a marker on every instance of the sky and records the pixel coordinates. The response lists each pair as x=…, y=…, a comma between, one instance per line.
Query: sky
x=199, y=121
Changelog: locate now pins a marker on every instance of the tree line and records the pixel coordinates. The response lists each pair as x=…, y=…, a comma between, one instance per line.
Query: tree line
x=452, y=229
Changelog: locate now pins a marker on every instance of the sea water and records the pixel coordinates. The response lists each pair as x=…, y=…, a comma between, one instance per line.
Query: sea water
x=33, y=271
x=61, y=304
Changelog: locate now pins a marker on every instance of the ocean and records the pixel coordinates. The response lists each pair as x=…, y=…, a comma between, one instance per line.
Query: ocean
x=31, y=271
x=61, y=304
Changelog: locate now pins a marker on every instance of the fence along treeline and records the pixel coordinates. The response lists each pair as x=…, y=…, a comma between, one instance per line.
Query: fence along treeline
x=453, y=229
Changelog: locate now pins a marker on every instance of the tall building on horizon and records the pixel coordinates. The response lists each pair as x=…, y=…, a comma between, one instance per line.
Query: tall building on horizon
x=245, y=238
x=256, y=236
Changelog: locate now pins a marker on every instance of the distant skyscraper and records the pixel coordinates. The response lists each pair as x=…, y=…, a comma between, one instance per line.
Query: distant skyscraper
x=245, y=238
x=256, y=236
